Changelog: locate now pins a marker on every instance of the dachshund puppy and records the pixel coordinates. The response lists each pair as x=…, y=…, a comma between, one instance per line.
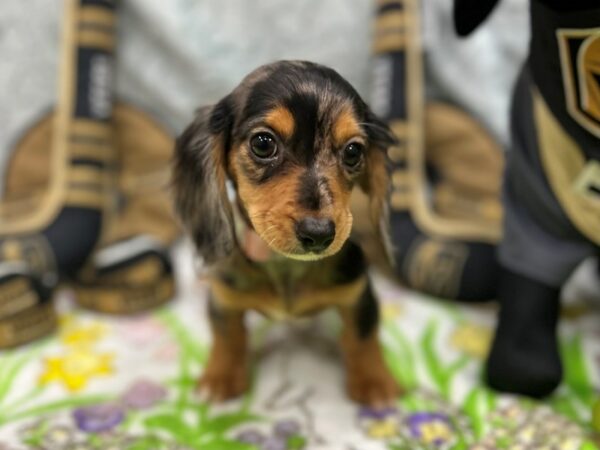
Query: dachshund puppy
x=275, y=163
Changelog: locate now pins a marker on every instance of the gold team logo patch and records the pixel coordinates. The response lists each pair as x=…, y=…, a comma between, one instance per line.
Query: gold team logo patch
x=580, y=62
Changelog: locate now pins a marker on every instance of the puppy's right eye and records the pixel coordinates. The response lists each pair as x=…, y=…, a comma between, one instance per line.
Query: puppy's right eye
x=263, y=145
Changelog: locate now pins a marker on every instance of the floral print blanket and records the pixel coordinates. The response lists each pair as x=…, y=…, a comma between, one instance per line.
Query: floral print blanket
x=128, y=384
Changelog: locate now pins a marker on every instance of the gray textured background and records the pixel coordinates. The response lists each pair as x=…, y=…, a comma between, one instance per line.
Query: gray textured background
x=175, y=55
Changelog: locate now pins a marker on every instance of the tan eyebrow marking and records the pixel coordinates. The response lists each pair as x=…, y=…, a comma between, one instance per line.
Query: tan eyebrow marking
x=282, y=121
x=345, y=127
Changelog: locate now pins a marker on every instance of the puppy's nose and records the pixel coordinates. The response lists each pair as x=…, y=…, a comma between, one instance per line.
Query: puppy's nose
x=314, y=234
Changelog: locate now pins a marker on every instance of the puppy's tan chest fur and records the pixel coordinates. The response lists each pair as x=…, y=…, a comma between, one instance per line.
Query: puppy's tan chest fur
x=283, y=289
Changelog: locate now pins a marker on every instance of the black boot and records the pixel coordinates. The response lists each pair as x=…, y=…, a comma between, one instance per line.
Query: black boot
x=524, y=358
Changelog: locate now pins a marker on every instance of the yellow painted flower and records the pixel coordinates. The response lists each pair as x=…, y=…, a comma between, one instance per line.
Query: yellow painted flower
x=83, y=335
x=570, y=443
x=379, y=423
x=66, y=320
x=527, y=434
x=76, y=368
x=391, y=311
x=436, y=432
x=383, y=429
x=471, y=339
x=431, y=428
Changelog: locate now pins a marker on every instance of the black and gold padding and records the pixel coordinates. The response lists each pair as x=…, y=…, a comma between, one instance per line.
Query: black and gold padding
x=89, y=175
x=127, y=277
x=26, y=312
x=53, y=229
x=446, y=170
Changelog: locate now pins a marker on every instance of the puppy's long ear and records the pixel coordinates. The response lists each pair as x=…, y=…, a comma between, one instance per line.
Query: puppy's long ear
x=375, y=182
x=199, y=180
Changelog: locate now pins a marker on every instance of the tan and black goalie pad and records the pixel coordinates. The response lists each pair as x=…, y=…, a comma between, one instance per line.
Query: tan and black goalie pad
x=468, y=164
x=453, y=216
x=140, y=194
x=127, y=277
x=139, y=205
x=26, y=312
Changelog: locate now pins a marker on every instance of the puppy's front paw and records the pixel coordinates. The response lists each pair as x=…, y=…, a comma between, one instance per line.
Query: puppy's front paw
x=374, y=387
x=220, y=385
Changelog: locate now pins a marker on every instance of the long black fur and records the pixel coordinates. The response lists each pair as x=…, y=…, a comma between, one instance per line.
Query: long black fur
x=198, y=180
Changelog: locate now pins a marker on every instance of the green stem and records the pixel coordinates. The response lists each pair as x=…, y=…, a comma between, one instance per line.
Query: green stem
x=24, y=399
x=10, y=371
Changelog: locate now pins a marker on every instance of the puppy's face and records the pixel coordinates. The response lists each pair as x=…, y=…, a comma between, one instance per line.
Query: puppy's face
x=296, y=138
x=298, y=152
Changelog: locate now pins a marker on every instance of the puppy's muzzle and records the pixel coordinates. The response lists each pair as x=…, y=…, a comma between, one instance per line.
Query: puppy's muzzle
x=315, y=234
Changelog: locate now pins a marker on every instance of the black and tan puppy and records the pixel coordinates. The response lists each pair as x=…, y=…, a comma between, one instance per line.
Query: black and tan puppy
x=276, y=161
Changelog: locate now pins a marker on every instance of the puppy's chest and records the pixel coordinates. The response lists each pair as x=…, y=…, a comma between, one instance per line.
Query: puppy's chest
x=284, y=288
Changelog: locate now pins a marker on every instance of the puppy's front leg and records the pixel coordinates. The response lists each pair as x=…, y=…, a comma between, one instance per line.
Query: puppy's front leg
x=369, y=381
x=226, y=373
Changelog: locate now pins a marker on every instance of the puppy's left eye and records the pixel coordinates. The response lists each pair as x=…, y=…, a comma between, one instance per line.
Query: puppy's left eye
x=353, y=154
x=263, y=145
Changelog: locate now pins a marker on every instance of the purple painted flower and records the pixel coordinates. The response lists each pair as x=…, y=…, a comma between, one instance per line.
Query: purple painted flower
x=380, y=423
x=431, y=428
x=286, y=428
x=376, y=414
x=274, y=443
x=98, y=418
x=143, y=394
x=252, y=437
